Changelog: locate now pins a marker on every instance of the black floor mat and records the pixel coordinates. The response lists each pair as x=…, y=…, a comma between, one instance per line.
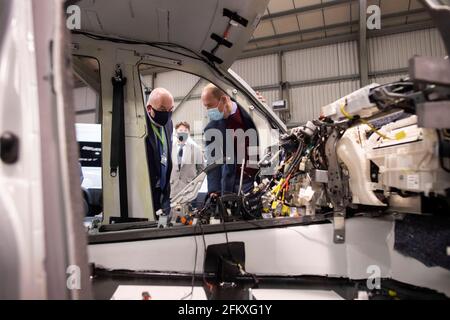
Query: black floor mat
x=424, y=238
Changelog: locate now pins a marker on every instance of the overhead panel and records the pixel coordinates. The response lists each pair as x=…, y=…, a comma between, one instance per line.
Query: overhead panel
x=280, y=5
x=286, y=24
x=309, y=20
x=389, y=6
x=337, y=14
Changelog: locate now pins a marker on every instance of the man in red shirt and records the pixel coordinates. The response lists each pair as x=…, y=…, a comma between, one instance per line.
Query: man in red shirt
x=238, y=133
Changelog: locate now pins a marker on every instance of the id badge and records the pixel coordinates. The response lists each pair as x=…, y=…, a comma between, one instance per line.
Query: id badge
x=164, y=160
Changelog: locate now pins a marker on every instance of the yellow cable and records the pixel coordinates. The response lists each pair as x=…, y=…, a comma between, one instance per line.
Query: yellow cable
x=398, y=136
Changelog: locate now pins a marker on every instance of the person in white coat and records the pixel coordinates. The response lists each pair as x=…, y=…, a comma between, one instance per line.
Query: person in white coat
x=187, y=159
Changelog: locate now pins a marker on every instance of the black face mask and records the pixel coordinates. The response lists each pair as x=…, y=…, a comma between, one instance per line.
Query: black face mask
x=161, y=117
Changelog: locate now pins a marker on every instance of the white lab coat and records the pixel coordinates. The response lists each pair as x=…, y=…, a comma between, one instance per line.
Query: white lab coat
x=192, y=153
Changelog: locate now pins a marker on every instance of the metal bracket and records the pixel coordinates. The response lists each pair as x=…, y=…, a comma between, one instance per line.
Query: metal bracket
x=339, y=226
x=430, y=70
x=235, y=17
x=338, y=190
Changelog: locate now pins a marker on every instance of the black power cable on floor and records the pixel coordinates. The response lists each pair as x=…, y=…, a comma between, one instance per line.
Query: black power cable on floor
x=190, y=294
x=208, y=285
x=237, y=263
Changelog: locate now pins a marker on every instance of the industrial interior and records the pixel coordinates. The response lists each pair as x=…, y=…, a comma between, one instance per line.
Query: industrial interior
x=237, y=150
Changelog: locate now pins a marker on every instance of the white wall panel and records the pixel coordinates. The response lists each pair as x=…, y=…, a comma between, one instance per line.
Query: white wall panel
x=258, y=71
x=394, y=51
x=437, y=44
x=347, y=87
x=147, y=81
x=307, y=100
x=84, y=99
x=271, y=96
x=178, y=83
x=194, y=113
x=313, y=63
x=85, y=118
x=322, y=62
x=348, y=58
x=199, y=89
x=389, y=78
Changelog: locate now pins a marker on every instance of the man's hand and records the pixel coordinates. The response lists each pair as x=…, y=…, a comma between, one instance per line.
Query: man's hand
x=260, y=97
x=214, y=195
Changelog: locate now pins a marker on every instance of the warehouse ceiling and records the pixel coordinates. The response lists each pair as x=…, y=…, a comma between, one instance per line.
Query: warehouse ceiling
x=299, y=21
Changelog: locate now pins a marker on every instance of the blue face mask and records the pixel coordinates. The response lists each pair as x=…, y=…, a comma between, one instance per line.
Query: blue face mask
x=214, y=114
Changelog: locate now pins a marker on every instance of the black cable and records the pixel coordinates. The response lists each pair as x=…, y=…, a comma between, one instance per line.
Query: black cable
x=221, y=207
x=204, y=246
x=190, y=294
x=296, y=162
x=241, y=268
x=127, y=41
x=158, y=45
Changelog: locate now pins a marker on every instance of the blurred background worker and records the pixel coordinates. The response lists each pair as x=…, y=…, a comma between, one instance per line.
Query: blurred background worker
x=187, y=158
